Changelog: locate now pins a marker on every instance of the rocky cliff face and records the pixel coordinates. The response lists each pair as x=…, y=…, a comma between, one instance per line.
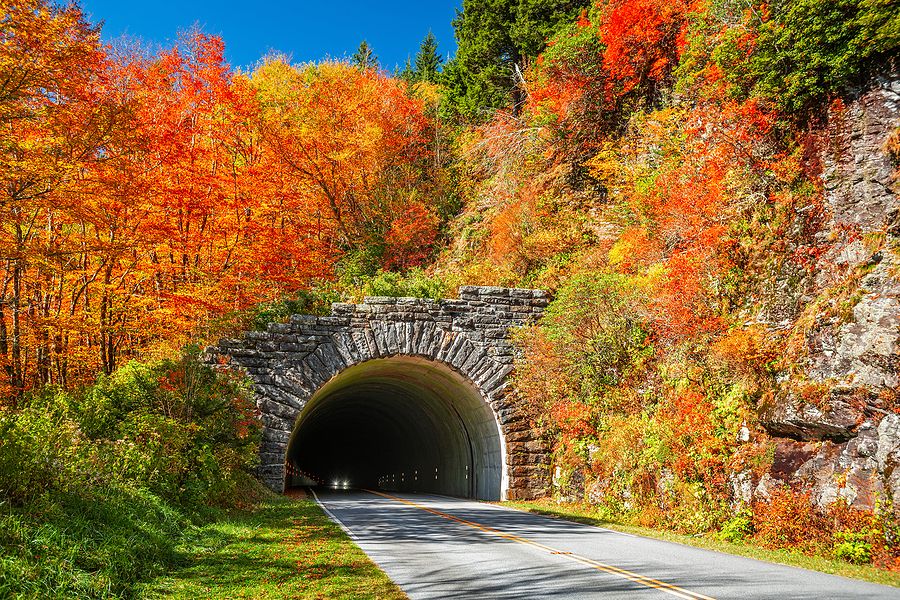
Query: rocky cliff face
x=834, y=416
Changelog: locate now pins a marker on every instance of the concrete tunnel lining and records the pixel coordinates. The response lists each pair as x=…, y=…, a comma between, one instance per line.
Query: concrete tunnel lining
x=403, y=423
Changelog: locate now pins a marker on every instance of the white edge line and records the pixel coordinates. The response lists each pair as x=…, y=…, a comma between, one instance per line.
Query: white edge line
x=359, y=543
x=332, y=516
x=634, y=577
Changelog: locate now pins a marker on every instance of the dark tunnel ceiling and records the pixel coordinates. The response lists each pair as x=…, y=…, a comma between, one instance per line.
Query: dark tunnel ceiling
x=404, y=424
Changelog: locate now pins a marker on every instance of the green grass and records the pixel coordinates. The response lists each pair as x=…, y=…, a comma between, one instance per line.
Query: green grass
x=120, y=543
x=96, y=544
x=585, y=514
x=284, y=548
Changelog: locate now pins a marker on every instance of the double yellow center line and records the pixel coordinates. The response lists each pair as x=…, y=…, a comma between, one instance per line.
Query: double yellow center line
x=662, y=586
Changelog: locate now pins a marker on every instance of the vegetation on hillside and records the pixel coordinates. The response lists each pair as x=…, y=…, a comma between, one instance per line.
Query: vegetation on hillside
x=658, y=168
x=100, y=486
x=650, y=162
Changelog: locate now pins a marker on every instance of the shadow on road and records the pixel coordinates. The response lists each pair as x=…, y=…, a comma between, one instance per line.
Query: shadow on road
x=441, y=558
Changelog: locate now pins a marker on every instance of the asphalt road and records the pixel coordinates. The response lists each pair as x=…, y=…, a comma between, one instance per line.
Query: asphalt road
x=438, y=547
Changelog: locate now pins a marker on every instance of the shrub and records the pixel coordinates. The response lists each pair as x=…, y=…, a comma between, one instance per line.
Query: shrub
x=316, y=301
x=99, y=488
x=810, y=49
x=414, y=283
x=42, y=448
x=788, y=520
x=738, y=528
x=853, y=547
x=176, y=427
x=596, y=323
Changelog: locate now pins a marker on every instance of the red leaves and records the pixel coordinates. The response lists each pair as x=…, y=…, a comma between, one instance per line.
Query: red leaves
x=411, y=236
x=788, y=520
x=617, y=58
x=573, y=419
x=680, y=304
x=640, y=38
x=583, y=20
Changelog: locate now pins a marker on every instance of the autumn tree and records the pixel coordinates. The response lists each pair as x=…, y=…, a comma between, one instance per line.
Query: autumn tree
x=139, y=203
x=53, y=123
x=224, y=232
x=356, y=145
x=641, y=43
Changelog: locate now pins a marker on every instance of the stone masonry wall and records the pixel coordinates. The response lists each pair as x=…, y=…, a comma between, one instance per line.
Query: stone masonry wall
x=290, y=361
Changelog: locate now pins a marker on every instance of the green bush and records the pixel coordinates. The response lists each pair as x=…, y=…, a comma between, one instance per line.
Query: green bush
x=414, y=284
x=99, y=487
x=309, y=302
x=181, y=428
x=597, y=323
x=738, y=528
x=811, y=49
x=853, y=546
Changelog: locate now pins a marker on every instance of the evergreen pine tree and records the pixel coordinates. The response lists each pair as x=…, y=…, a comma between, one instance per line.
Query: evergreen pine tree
x=496, y=38
x=365, y=58
x=428, y=61
x=408, y=74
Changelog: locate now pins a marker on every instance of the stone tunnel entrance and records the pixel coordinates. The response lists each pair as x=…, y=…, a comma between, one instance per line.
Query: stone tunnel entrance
x=401, y=424
x=400, y=394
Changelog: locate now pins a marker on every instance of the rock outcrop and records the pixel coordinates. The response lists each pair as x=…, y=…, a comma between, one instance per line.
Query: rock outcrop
x=845, y=442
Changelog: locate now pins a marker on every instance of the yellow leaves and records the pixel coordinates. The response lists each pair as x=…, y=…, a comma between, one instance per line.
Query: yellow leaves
x=633, y=247
x=429, y=93
x=339, y=129
x=627, y=165
x=606, y=165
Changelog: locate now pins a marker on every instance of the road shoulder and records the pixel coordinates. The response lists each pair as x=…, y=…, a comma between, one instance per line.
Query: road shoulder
x=583, y=515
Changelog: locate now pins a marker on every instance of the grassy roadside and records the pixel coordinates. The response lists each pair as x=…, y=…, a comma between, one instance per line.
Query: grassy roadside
x=584, y=514
x=96, y=544
x=284, y=548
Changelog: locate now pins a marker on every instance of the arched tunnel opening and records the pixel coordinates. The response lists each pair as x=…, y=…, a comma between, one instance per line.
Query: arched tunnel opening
x=400, y=424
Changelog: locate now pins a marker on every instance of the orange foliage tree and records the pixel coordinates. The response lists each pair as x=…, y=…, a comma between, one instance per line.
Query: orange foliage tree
x=356, y=145
x=145, y=195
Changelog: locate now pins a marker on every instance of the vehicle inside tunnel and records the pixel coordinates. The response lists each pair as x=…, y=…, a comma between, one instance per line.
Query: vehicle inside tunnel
x=400, y=424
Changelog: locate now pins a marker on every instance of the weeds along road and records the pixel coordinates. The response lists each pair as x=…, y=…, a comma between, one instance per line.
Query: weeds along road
x=439, y=547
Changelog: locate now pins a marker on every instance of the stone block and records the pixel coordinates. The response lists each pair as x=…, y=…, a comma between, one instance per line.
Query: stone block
x=373, y=300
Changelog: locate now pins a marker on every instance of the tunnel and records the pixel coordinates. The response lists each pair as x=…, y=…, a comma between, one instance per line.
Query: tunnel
x=404, y=424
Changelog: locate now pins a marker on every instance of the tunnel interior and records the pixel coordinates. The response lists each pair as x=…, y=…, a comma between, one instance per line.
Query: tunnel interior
x=400, y=424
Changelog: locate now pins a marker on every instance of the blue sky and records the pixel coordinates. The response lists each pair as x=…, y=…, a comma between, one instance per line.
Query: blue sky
x=303, y=29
